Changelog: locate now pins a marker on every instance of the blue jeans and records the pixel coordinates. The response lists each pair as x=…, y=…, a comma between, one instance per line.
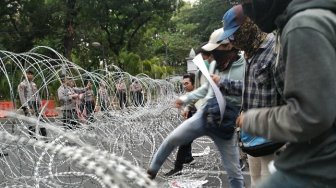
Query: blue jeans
x=282, y=179
x=191, y=129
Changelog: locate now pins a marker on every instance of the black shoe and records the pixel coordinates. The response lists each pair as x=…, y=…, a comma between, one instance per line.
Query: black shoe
x=3, y=154
x=175, y=172
x=189, y=160
x=243, y=164
x=151, y=175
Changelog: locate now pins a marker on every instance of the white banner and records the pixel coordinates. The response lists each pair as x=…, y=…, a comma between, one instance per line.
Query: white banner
x=199, y=62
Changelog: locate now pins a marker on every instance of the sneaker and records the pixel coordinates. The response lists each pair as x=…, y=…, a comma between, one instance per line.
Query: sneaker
x=175, y=172
x=151, y=175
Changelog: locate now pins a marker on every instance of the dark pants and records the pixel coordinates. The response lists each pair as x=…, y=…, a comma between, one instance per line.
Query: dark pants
x=69, y=119
x=35, y=106
x=183, y=155
x=122, y=98
x=103, y=106
x=137, y=98
x=32, y=130
x=89, y=106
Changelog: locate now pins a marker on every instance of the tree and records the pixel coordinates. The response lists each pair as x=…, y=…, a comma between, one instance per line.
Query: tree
x=142, y=29
x=69, y=27
x=123, y=23
x=22, y=23
x=207, y=15
x=172, y=44
x=130, y=62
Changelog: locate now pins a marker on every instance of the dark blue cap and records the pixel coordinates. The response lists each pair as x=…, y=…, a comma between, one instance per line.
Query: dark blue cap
x=232, y=20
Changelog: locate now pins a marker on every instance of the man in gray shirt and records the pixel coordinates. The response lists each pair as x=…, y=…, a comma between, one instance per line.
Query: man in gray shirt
x=67, y=96
x=30, y=99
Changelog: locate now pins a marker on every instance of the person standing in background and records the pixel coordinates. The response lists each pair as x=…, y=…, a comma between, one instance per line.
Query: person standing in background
x=89, y=102
x=30, y=100
x=68, y=95
x=103, y=100
x=136, y=93
x=121, y=93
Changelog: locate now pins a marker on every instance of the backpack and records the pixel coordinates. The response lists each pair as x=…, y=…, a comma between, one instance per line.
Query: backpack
x=225, y=128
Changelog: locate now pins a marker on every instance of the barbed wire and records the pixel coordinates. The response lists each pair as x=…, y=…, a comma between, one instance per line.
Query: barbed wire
x=112, y=151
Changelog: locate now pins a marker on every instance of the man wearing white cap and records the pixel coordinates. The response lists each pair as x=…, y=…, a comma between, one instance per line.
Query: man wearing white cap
x=206, y=121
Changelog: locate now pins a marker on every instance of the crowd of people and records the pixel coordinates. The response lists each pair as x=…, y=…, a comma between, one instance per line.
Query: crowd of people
x=274, y=64
x=287, y=51
x=78, y=104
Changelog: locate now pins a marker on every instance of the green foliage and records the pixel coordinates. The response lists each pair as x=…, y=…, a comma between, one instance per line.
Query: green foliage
x=130, y=62
x=154, y=68
x=139, y=36
x=146, y=67
x=123, y=23
x=207, y=15
x=188, y=28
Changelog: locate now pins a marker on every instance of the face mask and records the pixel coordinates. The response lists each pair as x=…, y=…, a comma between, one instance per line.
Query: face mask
x=248, y=37
x=224, y=58
x=206, y=63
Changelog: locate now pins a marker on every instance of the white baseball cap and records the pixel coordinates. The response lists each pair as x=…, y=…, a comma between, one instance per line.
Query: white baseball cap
x=215, y=40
